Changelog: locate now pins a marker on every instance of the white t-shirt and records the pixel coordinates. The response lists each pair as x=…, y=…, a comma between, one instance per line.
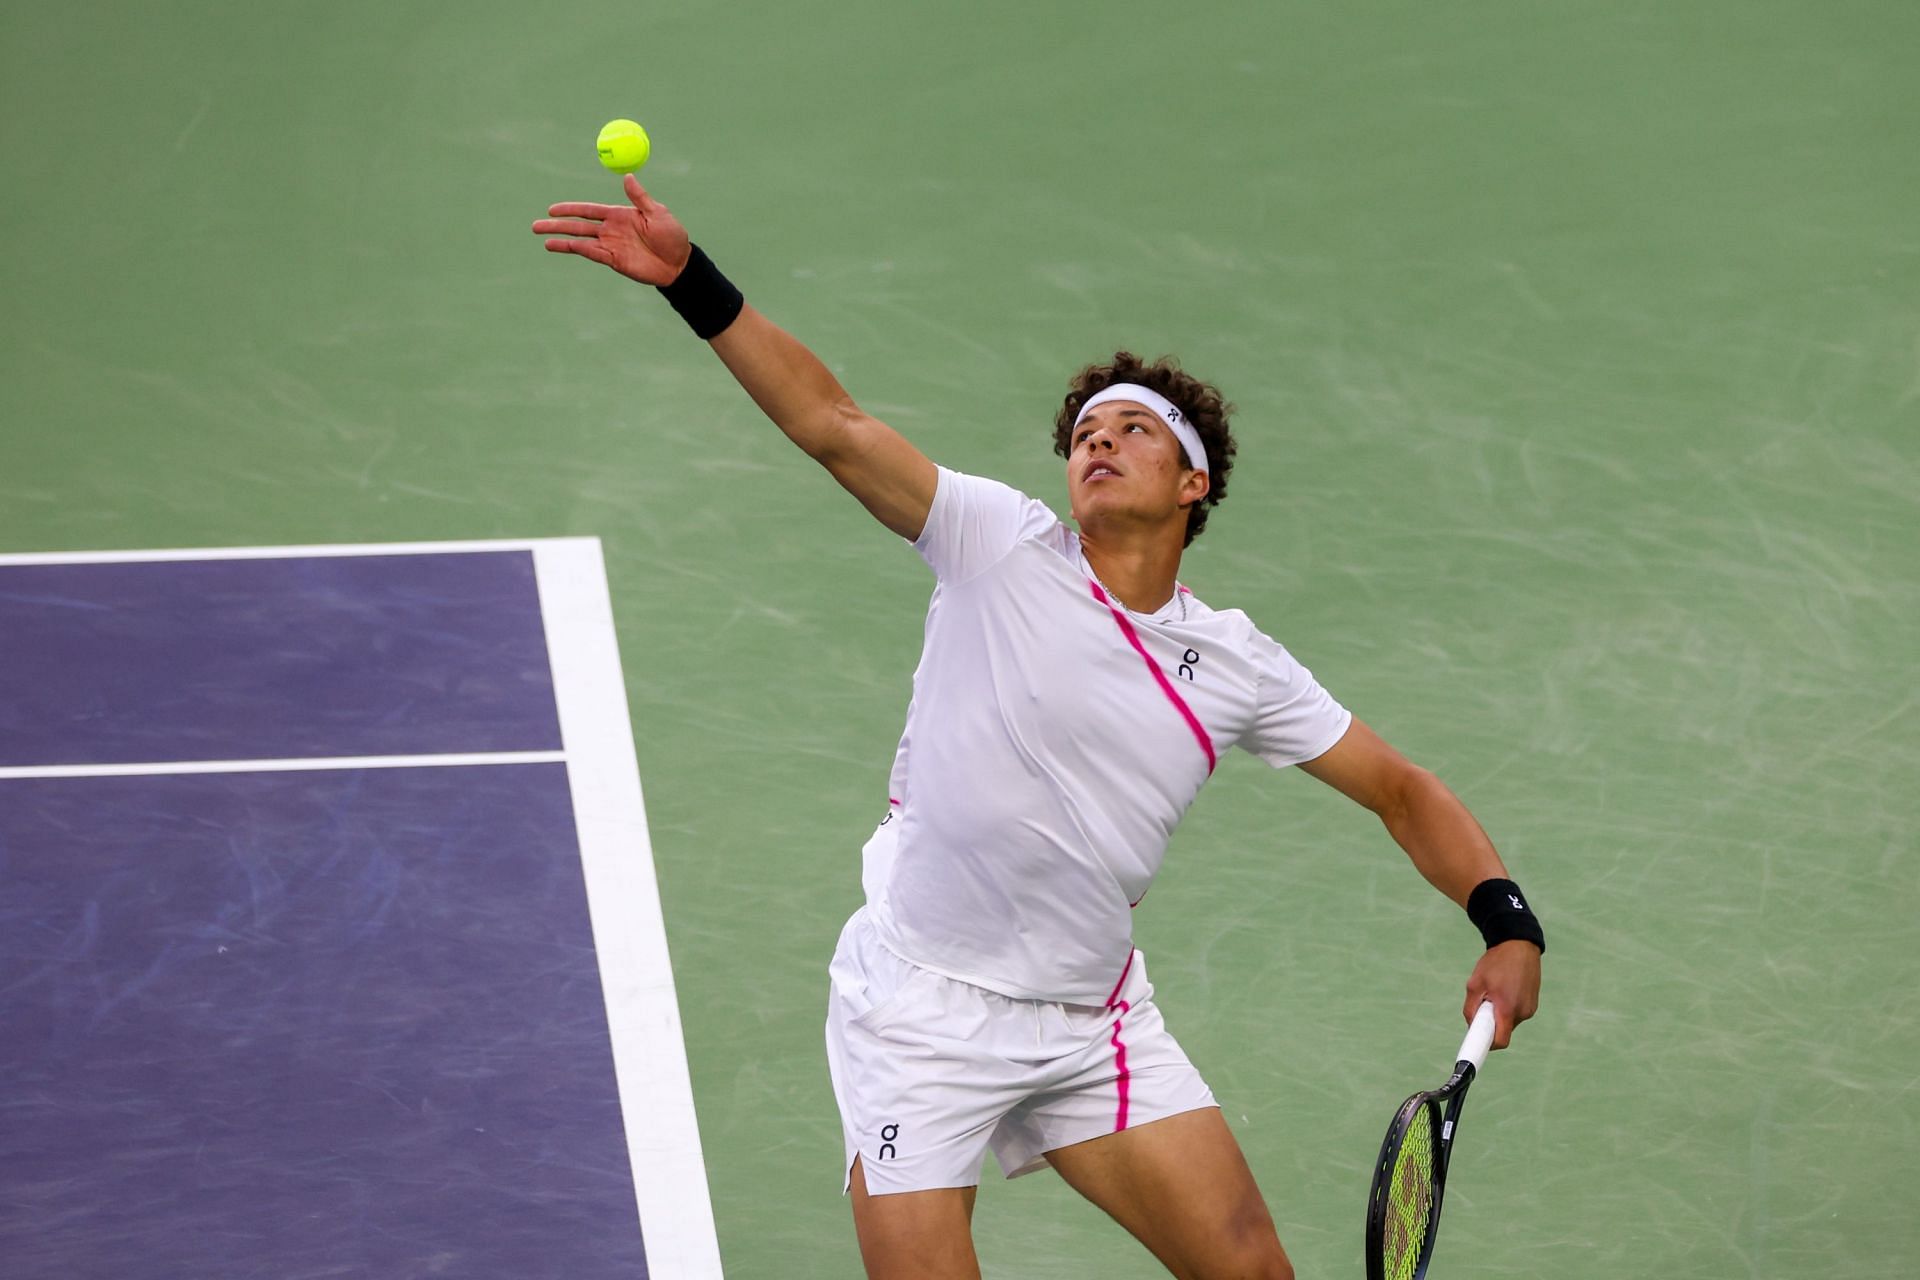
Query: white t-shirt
x=1054, y=741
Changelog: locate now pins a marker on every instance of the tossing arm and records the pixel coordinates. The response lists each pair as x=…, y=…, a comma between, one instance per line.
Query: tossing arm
x=872, y=461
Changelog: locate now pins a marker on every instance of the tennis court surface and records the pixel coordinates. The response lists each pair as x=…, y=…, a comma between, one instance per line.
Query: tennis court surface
x=328, y=926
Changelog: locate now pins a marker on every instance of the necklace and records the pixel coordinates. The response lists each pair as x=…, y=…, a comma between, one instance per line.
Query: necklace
x=1114, y=596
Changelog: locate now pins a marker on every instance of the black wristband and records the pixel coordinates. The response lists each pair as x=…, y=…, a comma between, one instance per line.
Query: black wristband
x=705, y=299
x=1502, y=915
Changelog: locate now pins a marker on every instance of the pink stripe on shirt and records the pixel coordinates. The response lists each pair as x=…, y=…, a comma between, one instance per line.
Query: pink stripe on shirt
x=1200, y=734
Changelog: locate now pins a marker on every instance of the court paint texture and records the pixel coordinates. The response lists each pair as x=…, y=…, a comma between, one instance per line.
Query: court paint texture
x=1575, y=356
x=329, y=940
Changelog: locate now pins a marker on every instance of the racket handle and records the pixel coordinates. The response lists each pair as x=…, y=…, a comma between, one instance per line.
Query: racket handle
x=1479, y=1037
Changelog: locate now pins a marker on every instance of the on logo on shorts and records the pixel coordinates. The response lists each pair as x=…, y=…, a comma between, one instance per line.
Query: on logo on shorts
x=888, y=1133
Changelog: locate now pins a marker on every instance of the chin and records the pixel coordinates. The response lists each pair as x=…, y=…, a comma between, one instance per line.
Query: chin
x=1102, y=505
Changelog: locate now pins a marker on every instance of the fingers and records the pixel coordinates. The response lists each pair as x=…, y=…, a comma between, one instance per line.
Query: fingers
x=583, y=209
x=638, y=194
x=1509, y=976
x=566, y=227
x=592, y=250
x=1503, y=1025
x=1503, y=1021
x=1476, y=996
x=1479, y=992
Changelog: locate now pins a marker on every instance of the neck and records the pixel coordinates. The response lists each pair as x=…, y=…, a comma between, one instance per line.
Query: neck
x=1140, y=570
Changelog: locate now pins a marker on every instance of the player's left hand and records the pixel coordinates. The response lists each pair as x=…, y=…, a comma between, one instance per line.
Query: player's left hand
x=642, y=240
x=1508, y=975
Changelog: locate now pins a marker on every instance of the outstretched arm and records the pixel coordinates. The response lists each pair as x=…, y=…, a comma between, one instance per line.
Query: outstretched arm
x=872, y=461
x=1449, y=848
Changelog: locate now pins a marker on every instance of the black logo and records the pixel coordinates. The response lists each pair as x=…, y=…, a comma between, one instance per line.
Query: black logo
x=887, y=1135
x=1188, y=661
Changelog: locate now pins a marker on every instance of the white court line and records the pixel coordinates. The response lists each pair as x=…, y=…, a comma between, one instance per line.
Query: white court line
x=280, y=766
x=623, y=899
x=291, y=553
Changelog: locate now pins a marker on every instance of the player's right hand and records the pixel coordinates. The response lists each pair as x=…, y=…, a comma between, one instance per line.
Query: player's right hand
x=644, y=242
x=1508, y=975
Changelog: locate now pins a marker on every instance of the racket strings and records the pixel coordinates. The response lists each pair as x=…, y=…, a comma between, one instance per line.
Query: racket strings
x=1409, y=1199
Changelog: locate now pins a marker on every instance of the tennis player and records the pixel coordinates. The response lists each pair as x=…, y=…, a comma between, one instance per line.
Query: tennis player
x=1071, y=699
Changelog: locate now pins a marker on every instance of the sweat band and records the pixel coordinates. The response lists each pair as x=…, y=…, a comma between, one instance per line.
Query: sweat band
x=705, y=299
x=1502, y=915
x=1170, y=414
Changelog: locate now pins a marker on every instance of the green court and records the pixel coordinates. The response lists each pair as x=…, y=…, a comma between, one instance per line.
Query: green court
x=1577, y=357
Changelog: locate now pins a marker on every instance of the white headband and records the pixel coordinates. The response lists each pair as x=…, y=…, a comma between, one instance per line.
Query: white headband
x=1169, y=414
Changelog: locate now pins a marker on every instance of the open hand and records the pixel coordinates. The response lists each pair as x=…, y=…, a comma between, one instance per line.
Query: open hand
x=644, y=243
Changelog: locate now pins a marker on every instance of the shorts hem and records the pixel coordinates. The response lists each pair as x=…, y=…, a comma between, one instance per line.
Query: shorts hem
x=935, y=1184
x=1038, y=1161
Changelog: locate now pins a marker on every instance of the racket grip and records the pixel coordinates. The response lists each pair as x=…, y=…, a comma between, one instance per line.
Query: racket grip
x=1479, y=1037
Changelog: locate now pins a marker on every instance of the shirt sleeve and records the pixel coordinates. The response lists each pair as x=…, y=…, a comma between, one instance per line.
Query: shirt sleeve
x=974, y=522
x=1295, y=720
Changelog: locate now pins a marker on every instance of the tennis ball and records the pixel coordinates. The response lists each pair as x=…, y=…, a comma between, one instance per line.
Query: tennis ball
x=624, y=146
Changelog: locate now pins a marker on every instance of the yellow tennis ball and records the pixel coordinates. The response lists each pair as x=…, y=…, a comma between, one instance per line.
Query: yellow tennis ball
x=624, y=146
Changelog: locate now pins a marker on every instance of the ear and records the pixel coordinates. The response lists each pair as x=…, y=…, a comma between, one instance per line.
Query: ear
x=1196, y=486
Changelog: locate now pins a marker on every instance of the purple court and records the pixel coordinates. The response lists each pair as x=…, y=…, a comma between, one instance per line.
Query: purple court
x=298, y=976
x=263, y=658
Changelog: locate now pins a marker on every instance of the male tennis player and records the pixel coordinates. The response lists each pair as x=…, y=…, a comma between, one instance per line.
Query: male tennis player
x=1071, y=699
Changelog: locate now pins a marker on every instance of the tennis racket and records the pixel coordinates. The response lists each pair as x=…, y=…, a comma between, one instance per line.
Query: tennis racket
x=1403, y=1208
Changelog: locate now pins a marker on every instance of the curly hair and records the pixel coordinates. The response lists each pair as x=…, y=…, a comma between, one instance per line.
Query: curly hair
x=1200, y=401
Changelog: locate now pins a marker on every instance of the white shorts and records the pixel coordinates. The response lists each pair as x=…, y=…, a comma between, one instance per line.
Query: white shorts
x=930, y=1072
